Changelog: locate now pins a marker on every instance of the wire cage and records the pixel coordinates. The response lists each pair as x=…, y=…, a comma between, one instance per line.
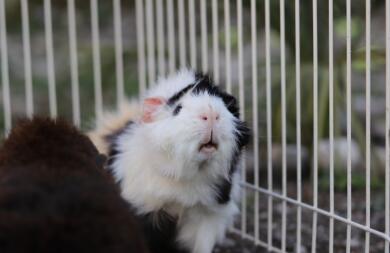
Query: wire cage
x=311, y=77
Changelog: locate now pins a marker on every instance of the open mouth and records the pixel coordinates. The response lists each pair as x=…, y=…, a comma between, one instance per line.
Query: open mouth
x=208, y=147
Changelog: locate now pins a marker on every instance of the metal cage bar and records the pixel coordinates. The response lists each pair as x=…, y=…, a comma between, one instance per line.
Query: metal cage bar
x=255, y=117
x=349, y=127
x=150, y=48
x=74, y=63
x=298, y=122
x=368, y=124
x=331, y=128
x=27, y=58
x=120, y=86
x=182, y=34
x=5, y=69
x=284, y=119
x=160, y=38
x=50, y=59
x=315, y=126
x=97, y=76
x=269, y=120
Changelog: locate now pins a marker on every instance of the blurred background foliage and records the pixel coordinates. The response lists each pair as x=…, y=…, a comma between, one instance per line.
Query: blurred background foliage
x=60, y=29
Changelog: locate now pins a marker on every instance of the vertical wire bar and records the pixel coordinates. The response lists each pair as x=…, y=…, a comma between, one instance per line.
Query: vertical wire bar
x=203, y=31
x=387, y=181
x=120, y=89
x=349, y=129
x=315, y=125
x=227, y=46
x=171, y=37
x=27, y=58
x=141, y=46
x=331, y=128
x=269, y=119
x=255, y=116
x=160, y=38
x=5, y=69
x=284, y=130
x=182, y=34
x=192, y=28
x=242, y=112
x=368, y=122
x=215, y=40
x=96, y=59
x=298, y=121
x=74, y=63
x=150, y=50
x=50, y=59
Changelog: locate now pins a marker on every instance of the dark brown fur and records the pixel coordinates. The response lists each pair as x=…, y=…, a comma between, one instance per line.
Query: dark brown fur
x=56, y=197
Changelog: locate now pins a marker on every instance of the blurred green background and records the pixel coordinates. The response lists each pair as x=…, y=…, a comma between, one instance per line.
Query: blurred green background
x=83, y=12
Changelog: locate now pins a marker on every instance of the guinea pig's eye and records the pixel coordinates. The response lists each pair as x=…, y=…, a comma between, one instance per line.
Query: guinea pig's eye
x=177, y=109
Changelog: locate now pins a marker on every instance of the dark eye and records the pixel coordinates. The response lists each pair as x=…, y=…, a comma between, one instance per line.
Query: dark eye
x=177, y=109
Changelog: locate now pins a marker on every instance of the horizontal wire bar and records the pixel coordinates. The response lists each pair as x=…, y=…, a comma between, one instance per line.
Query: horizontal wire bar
x=258, y=242
x=317, y=210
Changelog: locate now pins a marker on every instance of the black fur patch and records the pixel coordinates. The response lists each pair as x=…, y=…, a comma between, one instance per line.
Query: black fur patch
x=204, y=83
x=242, y=138
x=225, y=186
x=160, y=230
x=113, y=146
x=176, y=97
x=224, y=189
x=177, y=110
x=243, y=134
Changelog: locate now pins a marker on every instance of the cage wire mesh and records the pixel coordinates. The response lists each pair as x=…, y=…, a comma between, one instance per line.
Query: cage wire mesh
x=311, y=77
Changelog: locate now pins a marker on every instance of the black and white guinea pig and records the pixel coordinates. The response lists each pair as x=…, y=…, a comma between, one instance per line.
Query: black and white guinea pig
x=176, y=157
x=55, y=195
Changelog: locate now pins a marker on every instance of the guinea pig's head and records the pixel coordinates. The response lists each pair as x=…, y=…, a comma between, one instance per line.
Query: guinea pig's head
x=196, y=124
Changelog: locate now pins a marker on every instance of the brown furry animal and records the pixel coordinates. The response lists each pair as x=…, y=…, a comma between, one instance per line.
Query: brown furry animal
x=56, y=197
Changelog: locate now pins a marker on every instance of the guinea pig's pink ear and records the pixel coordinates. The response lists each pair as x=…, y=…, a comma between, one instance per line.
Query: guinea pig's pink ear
x=150, y=106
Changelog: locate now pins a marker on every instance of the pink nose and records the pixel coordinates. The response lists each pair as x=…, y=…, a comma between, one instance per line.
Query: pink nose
x=210, y=117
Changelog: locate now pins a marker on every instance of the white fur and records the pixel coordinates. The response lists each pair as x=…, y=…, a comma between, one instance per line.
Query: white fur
x=166, y=87
x=160, y=165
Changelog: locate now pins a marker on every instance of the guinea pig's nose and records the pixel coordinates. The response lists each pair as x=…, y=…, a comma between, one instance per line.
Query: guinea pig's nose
x=210, y=117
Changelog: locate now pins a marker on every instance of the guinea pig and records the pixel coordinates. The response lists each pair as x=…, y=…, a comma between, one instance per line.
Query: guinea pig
x=176, y=159
x=55, y=195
